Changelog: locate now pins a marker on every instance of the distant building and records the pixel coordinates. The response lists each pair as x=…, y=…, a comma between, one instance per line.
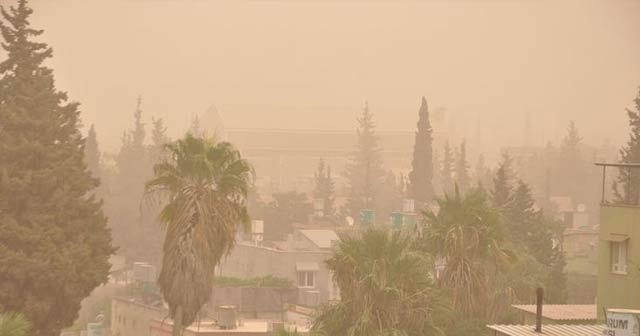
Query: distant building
x=132, y=317
x=300, y=258
x=286, y=159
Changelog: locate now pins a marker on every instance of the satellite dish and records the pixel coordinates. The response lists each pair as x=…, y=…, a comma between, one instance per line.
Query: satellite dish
x=350, y=220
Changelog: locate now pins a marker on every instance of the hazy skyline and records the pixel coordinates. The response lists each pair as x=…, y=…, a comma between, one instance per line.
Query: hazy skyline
x=280, y=64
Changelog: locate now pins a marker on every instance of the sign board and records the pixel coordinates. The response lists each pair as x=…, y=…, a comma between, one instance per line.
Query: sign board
x=397, y=220
x=623, y=323
x=95, y=329
x=367, y=217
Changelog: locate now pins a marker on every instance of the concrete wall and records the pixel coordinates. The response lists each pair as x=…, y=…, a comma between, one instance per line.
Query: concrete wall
x=619, y=290
x=252, y=261
x=253, y=303
x=132, y=318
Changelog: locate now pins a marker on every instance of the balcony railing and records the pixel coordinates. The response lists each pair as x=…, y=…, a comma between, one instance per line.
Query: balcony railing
x=620, y=183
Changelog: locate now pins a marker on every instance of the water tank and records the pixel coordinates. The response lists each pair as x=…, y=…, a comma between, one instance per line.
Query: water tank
x=227, y=317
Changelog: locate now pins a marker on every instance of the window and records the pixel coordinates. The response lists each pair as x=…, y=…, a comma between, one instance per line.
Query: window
x=619, y=257
x=306, y=279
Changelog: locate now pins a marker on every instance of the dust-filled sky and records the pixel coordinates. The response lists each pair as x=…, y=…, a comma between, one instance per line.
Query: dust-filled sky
x=312, y=63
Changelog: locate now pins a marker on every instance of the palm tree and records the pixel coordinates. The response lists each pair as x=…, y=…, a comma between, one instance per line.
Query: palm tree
x=204, y=185
x=386, y=288
x=13, y=324
x=466, y=233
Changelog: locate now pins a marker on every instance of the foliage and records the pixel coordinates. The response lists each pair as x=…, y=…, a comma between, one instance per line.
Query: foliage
x=54, y=242
x=325, y=189
x=385, y=286
x=364, y=172
x=467, y=234
x=421, y=175
x=462, y=168
x=266, y=281
x=92, y=153
x=283, y=212
x=557, y=280
x=204, y=185
x=629, y=180
x=502, y=187
x=447, y=170
x=13, y=324
x=527, y=226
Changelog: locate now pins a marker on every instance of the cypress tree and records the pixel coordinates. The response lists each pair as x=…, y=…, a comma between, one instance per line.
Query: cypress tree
x=446, y=173
x=364, y=173
x=92, y=153
x=54, y=243
x=627, y=185
x=421, y=175
x=462, y=168
x=325, y=188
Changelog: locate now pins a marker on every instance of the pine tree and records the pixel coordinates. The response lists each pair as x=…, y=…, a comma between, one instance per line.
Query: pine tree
x=133, y=165
x=54, y=243
x=325, y=188
x=502, y=183
x=421, y=175
x=159, y=139
x=196, y=128
x=627, y=186
x=527, y=226
x=462, y=168
x=556, y=284
x=482, y=172
x=92, y=153
x=364, y=173
x=446, y=173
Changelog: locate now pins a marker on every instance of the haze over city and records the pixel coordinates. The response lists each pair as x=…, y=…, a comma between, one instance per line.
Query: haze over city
x=312, y=64
x=319, y=168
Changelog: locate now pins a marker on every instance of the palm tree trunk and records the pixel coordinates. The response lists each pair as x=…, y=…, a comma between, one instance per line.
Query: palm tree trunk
x=177, y=322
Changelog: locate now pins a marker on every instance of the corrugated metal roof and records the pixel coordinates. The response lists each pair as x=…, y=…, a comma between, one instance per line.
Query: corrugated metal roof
x=563, y=312
x=549, y=330
x=322, y=238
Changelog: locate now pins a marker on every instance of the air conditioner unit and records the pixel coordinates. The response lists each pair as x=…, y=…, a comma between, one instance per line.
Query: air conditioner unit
x=227, y=317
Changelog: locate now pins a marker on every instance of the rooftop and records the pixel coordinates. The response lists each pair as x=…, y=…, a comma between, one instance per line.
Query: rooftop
x=563, y=312
x=210, y=327
x=549, y=330
x=322, y=238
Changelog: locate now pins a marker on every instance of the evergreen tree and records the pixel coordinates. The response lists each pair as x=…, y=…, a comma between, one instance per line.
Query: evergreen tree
x=462, y=168
x=159, y=139
x=196, y=128
x=502, y=187
x=421, y=175
x=446, y=173
x=482, y=173
x=627, y=186
x=325, y=188
x=556, y=284
x=572, y=168
x=364, y=173
x=527, y=226
x=134, y=167
x=92, y=153
x=54, y=243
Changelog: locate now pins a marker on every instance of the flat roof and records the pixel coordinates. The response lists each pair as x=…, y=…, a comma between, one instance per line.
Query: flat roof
x=209, y=326
x=550, y=330
x=623, y=165
x=563, y=312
